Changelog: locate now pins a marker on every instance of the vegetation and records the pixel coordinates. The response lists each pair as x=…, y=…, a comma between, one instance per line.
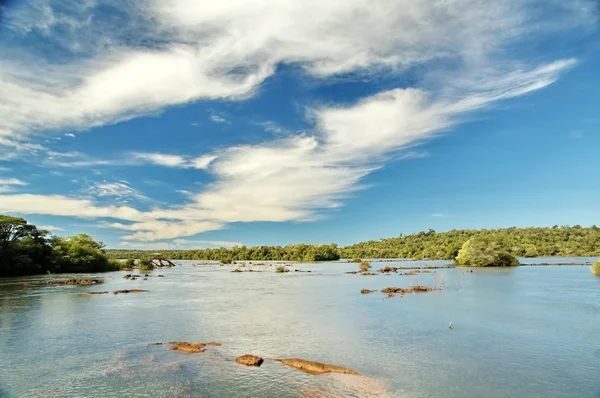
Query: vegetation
x=129, y=263
x=25, y=250
x=364, y=266
x=485, y=251
x=356, y=260
x=280, y=269
x=299, y=252
x=520, y=242
x=596, y=268
x=145, y=264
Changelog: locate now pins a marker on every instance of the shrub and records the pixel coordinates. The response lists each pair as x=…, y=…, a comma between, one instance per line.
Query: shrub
x=596, y=268
x=356, y=260
x=364, y=266
x=129, y=263
x=226, y=260
x=280, y=269
x=483, y=251
x=145, y=264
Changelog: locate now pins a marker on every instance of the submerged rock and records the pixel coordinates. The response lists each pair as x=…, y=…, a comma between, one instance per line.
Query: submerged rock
x=94, y=293
x=130, y=291
x=76, y=282
x=127, y=276
x=387, y=269
x=412, y=289
x=185, y=346
x=367, y=291
x=249, y=360
x=368, y=273
x=316, y=368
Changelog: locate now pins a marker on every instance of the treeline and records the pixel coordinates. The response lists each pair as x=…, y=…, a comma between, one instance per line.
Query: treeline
x=300, y=252
x=26, y=250
x=520, y=242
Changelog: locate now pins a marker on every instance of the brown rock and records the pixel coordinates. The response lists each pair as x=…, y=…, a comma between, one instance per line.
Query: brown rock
x=390, y=294
x=76, y=282
x=130, y=291
x=249, y=360
x=184, y=346
x=127, y=276
x=94, y=293
x=367, y=291
x=315, y=368
x=388, y=269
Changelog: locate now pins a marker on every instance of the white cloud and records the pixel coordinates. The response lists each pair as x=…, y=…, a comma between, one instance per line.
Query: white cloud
x=226, y=49
x=117, y=190
x=192, y=244
x=70, y=135
x=179, y=244
x=51, y=228
x=218, y=119
x=9, y=184
x=162, y=159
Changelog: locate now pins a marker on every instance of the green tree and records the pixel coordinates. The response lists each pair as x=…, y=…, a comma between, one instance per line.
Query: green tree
x=596, y=268
x=24, y=250
x=145, y=264
x=485, y=252
x=79, y=253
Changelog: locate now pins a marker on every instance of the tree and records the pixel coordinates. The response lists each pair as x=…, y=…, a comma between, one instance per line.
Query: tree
x=23, y=249
x=485, y=251
x=79, y=253
x=596, y=268
x=145, y=264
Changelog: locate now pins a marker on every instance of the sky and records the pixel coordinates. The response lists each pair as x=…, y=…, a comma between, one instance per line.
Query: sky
x=176, y=124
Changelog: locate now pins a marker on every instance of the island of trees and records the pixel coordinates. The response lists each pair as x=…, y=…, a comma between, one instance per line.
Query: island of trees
x=25, y=250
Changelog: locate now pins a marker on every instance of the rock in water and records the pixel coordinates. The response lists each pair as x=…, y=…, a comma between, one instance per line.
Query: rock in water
x=367, y=291
x=249, y=360
x=76, y=282
x=94, y=293
x=184, y=346
x=130, y=291
x=316, y=368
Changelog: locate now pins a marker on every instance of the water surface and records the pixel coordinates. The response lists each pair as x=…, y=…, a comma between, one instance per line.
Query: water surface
x=523, y=332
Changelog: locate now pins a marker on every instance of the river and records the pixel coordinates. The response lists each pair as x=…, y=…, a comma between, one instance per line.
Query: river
x=522, y=332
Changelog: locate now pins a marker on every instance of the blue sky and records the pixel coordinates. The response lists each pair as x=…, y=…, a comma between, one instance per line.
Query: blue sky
x=184, y=124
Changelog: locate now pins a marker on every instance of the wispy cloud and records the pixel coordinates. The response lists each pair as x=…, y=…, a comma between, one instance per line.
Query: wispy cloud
x=179, y=244
x=70, y=135
x=51, y=228
x=218, y=118
x=225, y=50
x=439, y=215
x=10, y=184
x=117, y=190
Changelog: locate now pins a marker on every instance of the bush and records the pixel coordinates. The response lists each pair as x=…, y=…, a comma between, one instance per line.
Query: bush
x=280, y=269
x=226, y=260
x=356, y=260
x=364, y=266
x=596, y=268
x=129, y=263
x=145, y=264
x=482, y=251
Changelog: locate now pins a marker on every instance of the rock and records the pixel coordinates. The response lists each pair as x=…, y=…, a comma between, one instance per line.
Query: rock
x=368, y=273
x=419, y=288
x=130, y=291
x=94, y=293
x=351, y=272
x=76, y=282
x=145, y=279
x=161, y=276
x=390, y=294
x=127, y=276
x=387, y=269
x=316, y=368
x=237, y=270
x=184, y=346
x=412, y=289
x=146, y=275
x=367, y=291
x=249, y=360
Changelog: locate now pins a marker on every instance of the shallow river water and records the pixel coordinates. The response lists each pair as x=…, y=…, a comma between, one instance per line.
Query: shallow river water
x=523, y=332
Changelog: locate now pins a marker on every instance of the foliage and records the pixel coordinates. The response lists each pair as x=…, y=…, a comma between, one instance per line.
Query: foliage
x=364, y=266
x=356, y=260
x=145, y=264
x=129, y=263
x=521, y=242
x=25, y=250
x=299, y=252
x=281, y=268
x=596, y=268
x=486, y=251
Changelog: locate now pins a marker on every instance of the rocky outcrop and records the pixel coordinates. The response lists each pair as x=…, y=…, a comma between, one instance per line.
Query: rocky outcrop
x=412, y=289
x=130, y=291
x=94, y=293
x=76, y=282
x=367, y=291
x=316, y=368
x=387, y=269
x=249, y=360
x=127, y=276
x=191, y=348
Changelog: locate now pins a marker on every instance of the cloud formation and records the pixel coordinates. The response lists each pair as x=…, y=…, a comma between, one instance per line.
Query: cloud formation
x=224, y=50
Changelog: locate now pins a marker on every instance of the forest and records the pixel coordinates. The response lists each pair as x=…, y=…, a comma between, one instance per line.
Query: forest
x=27, y=250
x=519, y=242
